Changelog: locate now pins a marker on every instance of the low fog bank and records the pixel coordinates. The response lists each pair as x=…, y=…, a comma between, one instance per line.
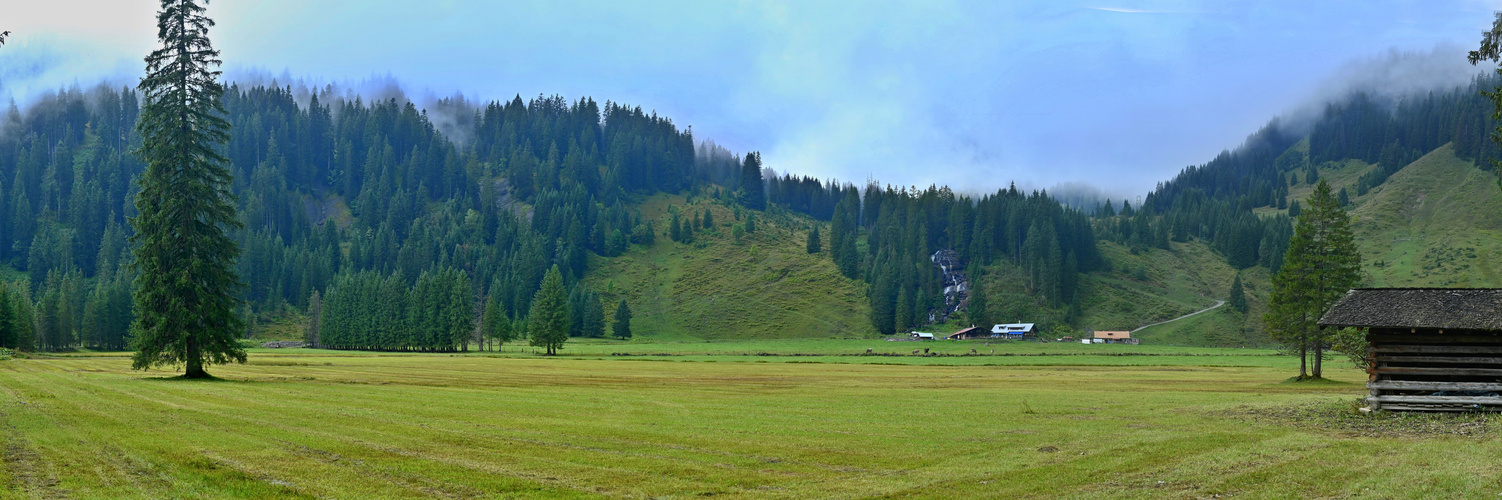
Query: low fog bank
x=453, y=114
x=1387, y=78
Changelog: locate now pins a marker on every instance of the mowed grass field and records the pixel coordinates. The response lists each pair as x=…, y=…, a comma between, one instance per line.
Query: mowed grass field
x=305, y=424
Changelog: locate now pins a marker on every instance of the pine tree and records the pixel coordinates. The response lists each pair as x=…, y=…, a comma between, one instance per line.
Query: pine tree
x=548, y=321
x=813, y=240
x=848, y=260
x=8, y=334
x=708, y=219
x=750, y=222
x=496, y=326
x=186, y=284
x=903, y=311
x=315, y=318
x=753, y=192
x=675, y=232
x=1238, y=295
x=621, y=329
x=594, y=317
x=978, y=311
x=1320, y=266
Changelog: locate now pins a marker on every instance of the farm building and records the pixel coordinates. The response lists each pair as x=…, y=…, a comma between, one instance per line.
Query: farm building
x=1015, y=331
x=921, y=336
x=973, y=332
x=1432, y=349
x=1115, y=336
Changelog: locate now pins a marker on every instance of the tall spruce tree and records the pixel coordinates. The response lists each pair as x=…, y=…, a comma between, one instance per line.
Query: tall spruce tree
x=621, y=328
x=549, y=318
x=8, y=334
x=753, y=191
x=186, y=284
x=1237, y=298
x=1320, y=266
x=496, y=325
x=978, y=308
x=315, y=319
x=813, y=240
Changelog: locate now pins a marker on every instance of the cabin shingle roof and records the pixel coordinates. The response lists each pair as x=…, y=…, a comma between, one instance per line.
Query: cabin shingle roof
x=1453, y=308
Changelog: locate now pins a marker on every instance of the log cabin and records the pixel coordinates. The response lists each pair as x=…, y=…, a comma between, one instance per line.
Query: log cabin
x=1430, y=349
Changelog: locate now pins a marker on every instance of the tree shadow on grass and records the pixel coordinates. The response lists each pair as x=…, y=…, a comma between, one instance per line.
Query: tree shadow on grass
x=208, y=379
x=1312, y=381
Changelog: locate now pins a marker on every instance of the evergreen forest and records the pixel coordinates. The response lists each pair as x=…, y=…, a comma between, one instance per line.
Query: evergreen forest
x=393, y=232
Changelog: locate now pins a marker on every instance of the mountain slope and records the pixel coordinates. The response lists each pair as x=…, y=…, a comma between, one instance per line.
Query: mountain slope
x=1436, y=222
x=764, y=285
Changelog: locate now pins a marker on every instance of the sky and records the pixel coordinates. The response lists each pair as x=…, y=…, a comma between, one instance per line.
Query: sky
x=1115, y=94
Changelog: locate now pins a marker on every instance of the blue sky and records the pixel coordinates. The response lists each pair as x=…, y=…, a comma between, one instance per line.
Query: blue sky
x=1115, y=94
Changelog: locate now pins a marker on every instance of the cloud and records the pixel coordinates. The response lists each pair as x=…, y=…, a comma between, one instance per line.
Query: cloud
x=1389, y=76
x=970, y=93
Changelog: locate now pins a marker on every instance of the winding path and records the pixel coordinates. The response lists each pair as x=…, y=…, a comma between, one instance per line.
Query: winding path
x=1218, y=303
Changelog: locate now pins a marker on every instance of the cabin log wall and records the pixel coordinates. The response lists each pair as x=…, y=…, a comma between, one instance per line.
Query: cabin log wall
x=1434, y=369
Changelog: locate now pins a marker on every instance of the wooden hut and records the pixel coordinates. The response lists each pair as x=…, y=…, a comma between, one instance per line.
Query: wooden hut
x=1432, y=349
x=973, y=332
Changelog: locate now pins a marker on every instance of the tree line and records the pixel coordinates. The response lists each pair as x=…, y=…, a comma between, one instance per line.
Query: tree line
x=332, y=187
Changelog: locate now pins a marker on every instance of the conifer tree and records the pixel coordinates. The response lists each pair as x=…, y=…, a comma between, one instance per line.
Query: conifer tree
x=753, y=192
x=186, y=283
x=496, y=326
x=979, y=312
x=621, y=329
x=315, y=319
x=8, y=334
x=1320, y=266
x=750, y=222
x=903, y=312
x=675, y=232
x=25, y=318
x=708, y=219
x=1237, y=299
x=549, y=319
x=593, y=317
x=813, y=240
x=848, y=259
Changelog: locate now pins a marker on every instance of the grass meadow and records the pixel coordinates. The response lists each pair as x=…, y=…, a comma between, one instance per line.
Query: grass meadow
x=705, y=419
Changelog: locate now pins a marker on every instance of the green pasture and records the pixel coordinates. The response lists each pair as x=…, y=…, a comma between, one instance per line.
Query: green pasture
x=304, y=424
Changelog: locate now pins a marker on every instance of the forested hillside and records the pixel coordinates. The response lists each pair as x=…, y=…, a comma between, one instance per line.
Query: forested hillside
x=368, y=215
x=357, y=210
x=1396, y=164
x=1215, y=201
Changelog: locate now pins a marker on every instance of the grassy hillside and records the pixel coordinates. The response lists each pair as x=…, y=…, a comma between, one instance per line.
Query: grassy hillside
x=1436, y=222
x=764, y=285
x=1158, y=285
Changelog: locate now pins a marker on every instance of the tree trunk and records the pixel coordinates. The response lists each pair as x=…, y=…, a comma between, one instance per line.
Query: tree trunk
x=1303, y=356
x=1319, y=352
x=195, y=360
